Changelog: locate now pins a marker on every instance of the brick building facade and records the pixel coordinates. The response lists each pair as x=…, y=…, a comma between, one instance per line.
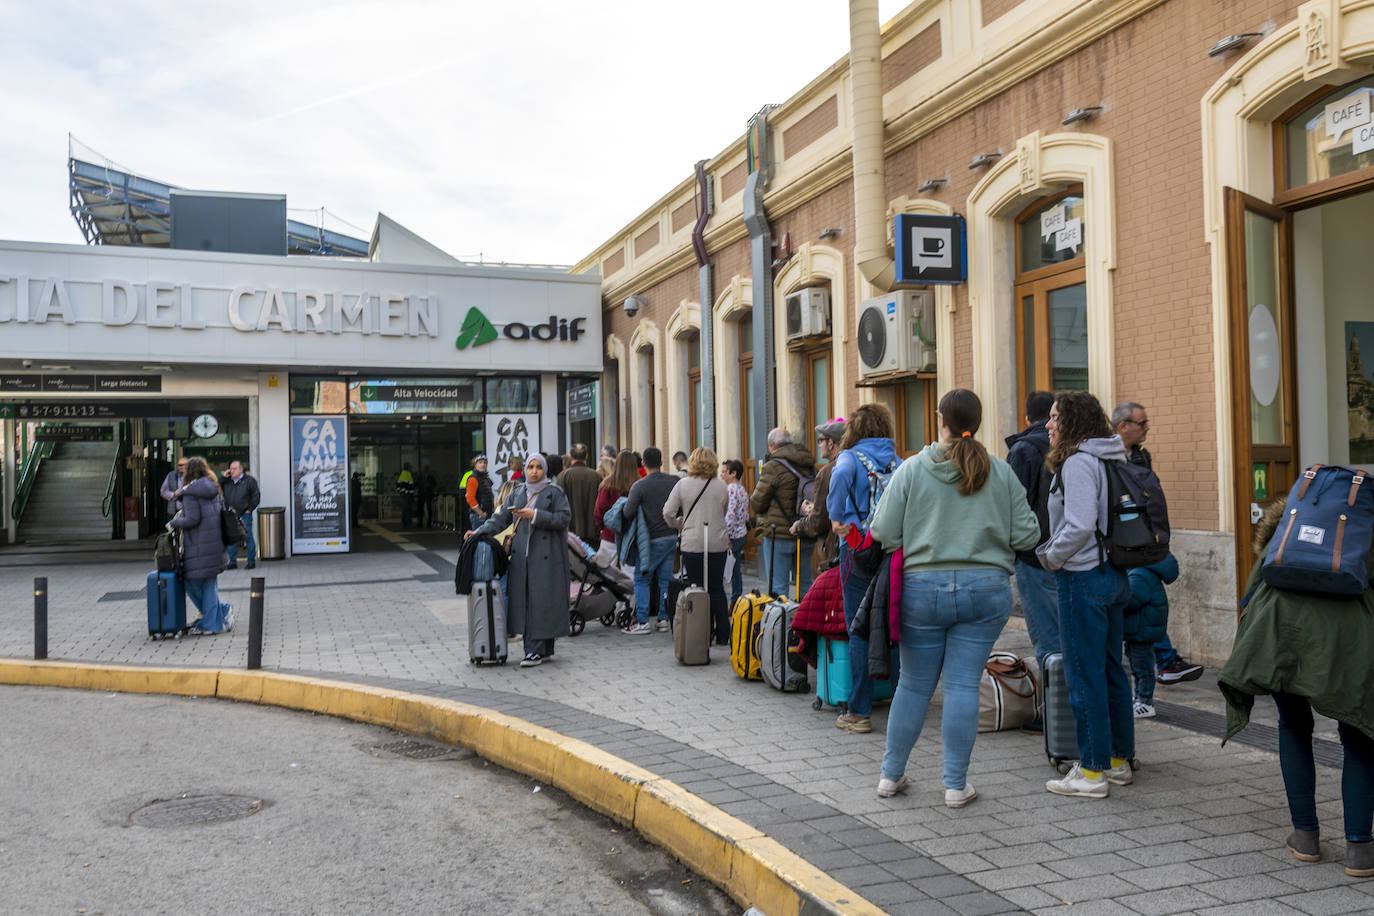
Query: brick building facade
x=1221, y=220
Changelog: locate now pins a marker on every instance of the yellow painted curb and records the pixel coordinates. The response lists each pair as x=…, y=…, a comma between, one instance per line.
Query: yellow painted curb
x=752, y=868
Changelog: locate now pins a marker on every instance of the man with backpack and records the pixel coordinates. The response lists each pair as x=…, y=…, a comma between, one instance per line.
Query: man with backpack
x=1036, y=585
x=786, y=481
x=817, y=522
x=649, y=494
x=1132, y=424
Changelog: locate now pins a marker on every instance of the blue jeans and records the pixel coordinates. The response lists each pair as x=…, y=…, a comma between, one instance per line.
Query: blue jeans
x=1142, y=658
x=737, y=575
x=1300, y=772
x=778, y=563
x=250, y=542
x=1092, y=629
x=660, y=561
x=860, y=702
x=204, y=594
x=1040, y=606
x=950, y=620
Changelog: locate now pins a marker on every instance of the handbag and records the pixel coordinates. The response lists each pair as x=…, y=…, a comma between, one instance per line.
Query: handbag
x=231, y=528
x=1007, y=693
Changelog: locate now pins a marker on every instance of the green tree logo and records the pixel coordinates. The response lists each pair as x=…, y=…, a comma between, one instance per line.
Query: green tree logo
x=476, y=330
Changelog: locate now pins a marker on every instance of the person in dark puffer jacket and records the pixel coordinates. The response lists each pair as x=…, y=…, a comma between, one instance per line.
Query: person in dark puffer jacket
x=1146, y=623
x=205, y=556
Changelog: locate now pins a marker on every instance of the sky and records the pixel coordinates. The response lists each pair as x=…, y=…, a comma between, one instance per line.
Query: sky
x=523, y=132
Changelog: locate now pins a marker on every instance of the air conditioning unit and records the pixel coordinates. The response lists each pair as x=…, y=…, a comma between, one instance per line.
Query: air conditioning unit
x=808, y=313
x=897, y=333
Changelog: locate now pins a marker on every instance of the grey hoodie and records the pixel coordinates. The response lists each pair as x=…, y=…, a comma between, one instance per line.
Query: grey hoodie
x=1078, y=507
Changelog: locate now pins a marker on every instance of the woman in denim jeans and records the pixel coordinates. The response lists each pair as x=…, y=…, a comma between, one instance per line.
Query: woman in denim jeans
x=736, y=522
x=959, y=516
x=1092, y=596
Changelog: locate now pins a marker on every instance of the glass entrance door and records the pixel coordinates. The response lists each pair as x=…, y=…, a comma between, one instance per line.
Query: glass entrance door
x=1263, y=363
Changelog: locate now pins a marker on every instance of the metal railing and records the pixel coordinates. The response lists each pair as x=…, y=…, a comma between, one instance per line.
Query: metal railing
x=111, y=484
x=27, y=476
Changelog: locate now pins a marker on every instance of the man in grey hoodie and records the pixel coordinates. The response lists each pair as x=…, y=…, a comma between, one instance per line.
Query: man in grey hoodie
x=1092, y=596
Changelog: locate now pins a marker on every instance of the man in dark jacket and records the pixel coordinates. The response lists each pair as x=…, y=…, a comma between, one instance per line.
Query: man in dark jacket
x=1036, y=585
x=774, y=504
x=241, y=493
x=580, y=483
x=1132, y=424
x=816, y=525
x=649, y=494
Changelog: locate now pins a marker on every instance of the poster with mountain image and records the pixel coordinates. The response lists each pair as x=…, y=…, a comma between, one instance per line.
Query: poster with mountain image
x=1359, y=389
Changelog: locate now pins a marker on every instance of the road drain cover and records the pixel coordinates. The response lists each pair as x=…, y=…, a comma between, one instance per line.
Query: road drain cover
x=191, y=810
x=415, y=750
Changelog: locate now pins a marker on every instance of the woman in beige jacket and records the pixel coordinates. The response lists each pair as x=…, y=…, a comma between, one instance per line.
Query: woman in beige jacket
x=696, y=507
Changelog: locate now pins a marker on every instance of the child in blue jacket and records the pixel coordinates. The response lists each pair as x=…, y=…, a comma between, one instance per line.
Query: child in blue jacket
x=1147, y=622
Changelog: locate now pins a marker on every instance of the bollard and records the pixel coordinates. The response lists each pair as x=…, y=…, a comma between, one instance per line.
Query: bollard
x=40, y=617
x=255, y=623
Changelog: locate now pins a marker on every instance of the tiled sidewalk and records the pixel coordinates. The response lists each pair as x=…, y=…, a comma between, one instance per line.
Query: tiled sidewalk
x=1201, y=830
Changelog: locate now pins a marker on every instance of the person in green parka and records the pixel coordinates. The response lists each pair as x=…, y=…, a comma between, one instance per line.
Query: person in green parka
x=1309, y=652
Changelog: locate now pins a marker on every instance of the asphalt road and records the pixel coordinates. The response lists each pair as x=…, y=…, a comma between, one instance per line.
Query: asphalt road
x=94, y=787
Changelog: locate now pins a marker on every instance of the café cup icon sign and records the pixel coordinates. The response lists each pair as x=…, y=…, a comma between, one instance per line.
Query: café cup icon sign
x=931, y=248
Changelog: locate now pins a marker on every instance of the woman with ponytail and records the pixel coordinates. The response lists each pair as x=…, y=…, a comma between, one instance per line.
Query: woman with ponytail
x=959, y=516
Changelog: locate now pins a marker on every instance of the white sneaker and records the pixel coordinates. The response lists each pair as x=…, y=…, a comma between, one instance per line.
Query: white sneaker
x=636, y=629
x=1143, y=710
x=1077, y=784
x=1120, y=776
x=889, y=787
x=957, y=798
x=662, y=624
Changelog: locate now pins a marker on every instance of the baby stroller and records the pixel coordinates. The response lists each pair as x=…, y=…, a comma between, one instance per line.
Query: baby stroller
x=606, y=594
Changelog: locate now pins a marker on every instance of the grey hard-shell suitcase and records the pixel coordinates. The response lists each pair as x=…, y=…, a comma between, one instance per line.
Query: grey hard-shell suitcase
x=1061, y=732
x=692, y=619
x=486, y=623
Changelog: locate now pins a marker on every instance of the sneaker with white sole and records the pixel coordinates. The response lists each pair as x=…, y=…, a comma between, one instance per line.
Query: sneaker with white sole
x=889, y=787
x=662, y=624
x=533, y=660
x=957, y=798
x=1120, y=776
x=637, y=629
x=1143, y=710
x=859, y=725
x=1077, y=784
x=1176, y=671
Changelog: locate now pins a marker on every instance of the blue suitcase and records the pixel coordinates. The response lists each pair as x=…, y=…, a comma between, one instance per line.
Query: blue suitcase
x=832, y=675
x=166, y=604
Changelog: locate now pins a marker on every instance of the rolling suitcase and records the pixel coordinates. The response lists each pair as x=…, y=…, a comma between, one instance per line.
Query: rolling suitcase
x=777, y=649
x=1061, y=732
x=486, y=624
x=692, y=619
x=166, y=604
x=833, y=684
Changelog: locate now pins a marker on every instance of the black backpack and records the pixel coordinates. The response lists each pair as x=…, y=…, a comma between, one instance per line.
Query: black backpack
x=806, y=489
x=1137, y=517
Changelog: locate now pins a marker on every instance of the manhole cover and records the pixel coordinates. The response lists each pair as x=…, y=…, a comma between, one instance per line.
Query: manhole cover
x=191, y=810
x=415, y=750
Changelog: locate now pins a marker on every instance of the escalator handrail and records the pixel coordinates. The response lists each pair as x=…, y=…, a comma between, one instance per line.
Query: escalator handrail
x=37, y=452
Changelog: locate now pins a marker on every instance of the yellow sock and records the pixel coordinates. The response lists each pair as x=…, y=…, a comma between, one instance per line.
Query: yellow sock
x=1118, y=762
x=1092, y=774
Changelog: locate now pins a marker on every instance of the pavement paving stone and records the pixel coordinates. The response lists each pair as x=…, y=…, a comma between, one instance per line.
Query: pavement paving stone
x=1251, y=887
x=924, y=907
x=1088, y=908
x=387, y=618
x=1168, y=901
x=1250, y=908
x=1331, y=901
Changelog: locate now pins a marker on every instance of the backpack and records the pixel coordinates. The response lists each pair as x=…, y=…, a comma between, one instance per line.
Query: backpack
x=167, y=551
x=806, y=489
x=1137, y=517
x=1322, y=545
x=877, y=484
x=231, y=528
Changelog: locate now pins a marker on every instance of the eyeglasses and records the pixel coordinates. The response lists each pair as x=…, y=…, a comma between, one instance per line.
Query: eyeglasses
x=1143, y=424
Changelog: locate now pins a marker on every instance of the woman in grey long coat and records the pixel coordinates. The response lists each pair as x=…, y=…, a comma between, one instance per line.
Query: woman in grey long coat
x=205, y=556
x=538, y=577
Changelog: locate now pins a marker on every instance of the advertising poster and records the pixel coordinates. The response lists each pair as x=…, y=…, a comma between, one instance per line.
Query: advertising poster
x=509, y=434
x=1359, y=389
x=319, y=485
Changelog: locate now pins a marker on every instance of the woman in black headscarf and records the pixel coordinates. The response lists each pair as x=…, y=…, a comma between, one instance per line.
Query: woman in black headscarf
x=538, y=577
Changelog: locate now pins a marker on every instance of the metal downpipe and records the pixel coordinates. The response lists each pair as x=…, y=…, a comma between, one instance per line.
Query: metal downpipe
x=870, y=180
x=707, y=295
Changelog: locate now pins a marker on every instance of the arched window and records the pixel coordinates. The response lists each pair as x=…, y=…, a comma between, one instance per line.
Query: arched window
x=1051, y=295
x=692, y=343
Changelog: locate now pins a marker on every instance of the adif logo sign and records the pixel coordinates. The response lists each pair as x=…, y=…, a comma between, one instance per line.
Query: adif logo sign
x=477, y=330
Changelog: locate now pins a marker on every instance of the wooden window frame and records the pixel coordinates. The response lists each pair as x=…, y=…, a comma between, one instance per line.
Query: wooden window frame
x=899, y=392
x=1038, y=284
x=818, y=349
x=1317, y=192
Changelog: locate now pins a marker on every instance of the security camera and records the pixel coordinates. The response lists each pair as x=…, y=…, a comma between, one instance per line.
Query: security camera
x=633, y=305
x=28, y=363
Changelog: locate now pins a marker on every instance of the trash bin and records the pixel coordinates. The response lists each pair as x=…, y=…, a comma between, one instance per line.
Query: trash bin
x=272, y=532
